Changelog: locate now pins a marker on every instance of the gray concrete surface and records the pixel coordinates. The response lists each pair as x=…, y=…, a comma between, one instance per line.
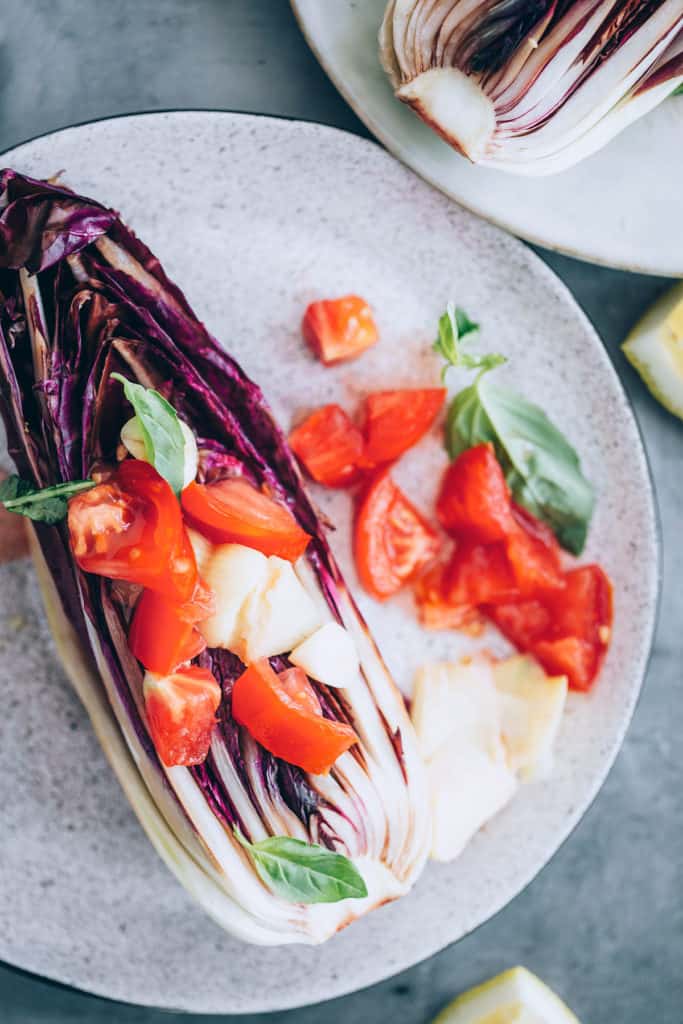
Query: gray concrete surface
x=603, y=923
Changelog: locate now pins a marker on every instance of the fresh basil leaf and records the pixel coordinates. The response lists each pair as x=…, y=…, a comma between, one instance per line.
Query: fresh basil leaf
x=43, y=505
x=304, y=872
x=541, y=467
x=14, y=487
x=463, y=323
x=467, y=423
x=161, y=431
x=678, y=91
x=455, y=330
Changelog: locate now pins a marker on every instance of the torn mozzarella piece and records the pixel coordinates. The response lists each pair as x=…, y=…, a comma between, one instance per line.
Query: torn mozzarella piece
x=328, y=655
x=262, y=608
x=278, y=615
x=456, y=700
x=456, y=714
x=234, y=572
x=531, y=708
x=468, y=787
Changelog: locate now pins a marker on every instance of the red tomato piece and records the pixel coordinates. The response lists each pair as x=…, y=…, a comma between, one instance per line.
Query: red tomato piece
x=396, y=420
x=579, y=636
x=202, y=604
x=479, y=574
x=130, y=528
x=281, y=715
x=181, y=712
x=568, y=630
x=329, y=446
x=474, y=498
x=296, y=686
x=160, y=636
x=436, y=612
x=571, y=657
x=178, y=581
x=534, y=554
x=522, y=622
x=338, y=329
x=392, y=541
x=584, y=608
x=234, y=511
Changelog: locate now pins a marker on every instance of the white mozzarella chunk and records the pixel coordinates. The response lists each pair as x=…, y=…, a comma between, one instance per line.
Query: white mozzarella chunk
x=531, y=705
x=468, y=787
x=234, y=572
x=328, y=655
x=456, y=713
x=456, y=699
x=278, y=616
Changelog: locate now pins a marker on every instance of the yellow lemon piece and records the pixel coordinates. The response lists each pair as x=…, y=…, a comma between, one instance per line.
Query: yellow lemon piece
x=655, y=348
x=514, y=997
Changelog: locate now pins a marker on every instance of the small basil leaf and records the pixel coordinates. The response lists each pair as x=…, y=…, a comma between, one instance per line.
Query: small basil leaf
x=455, y=330
x=303, y=872
x=13, y=487
x=678, y=91
x=43, y=505
x=467, y=424
x=161, y=431
x=463, y=323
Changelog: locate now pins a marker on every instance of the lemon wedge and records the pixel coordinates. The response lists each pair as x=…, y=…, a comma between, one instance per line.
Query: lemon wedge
x=514, y=997
x=655, y=348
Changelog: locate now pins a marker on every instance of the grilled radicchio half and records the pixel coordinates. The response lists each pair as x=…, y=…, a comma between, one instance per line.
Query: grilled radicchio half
x=80, y=298
x=532, y=86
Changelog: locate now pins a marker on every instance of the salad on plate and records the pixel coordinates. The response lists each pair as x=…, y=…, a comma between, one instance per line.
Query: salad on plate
x=200, y=613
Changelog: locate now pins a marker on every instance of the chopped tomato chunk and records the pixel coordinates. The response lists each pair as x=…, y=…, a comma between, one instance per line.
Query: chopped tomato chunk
x=181, y=712
x=574, y=658
x=474, y=499
x=160, y=635
x=329, y=446
x=579, y=636
x=179, y=579
x=202, y=604
x=584, y=608
x=436, y=612
x=295, y=685
x=568, y=630
x=130, y=528
x=338, y=329
x=283, y=715
x=396, y=420
x=534, y=553
x=522, y=622
x=479, y=574
x=392, y=541
x=234, y=511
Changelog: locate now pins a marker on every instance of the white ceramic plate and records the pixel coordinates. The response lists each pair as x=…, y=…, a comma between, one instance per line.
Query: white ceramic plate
x=254, y=217
x=622, y=207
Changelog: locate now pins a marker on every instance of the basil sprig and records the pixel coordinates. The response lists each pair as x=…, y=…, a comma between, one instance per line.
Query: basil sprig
x=456, y=331
x=304, y=872
x=161, y=431
x=42, y=505
x=542, y=469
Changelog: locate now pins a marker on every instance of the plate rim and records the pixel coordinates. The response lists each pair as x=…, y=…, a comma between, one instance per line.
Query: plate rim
x=387, y=141
x=561, y=289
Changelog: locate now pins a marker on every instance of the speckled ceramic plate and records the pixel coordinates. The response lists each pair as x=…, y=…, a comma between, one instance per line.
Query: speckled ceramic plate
x=622, y=207
x=254, y=217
